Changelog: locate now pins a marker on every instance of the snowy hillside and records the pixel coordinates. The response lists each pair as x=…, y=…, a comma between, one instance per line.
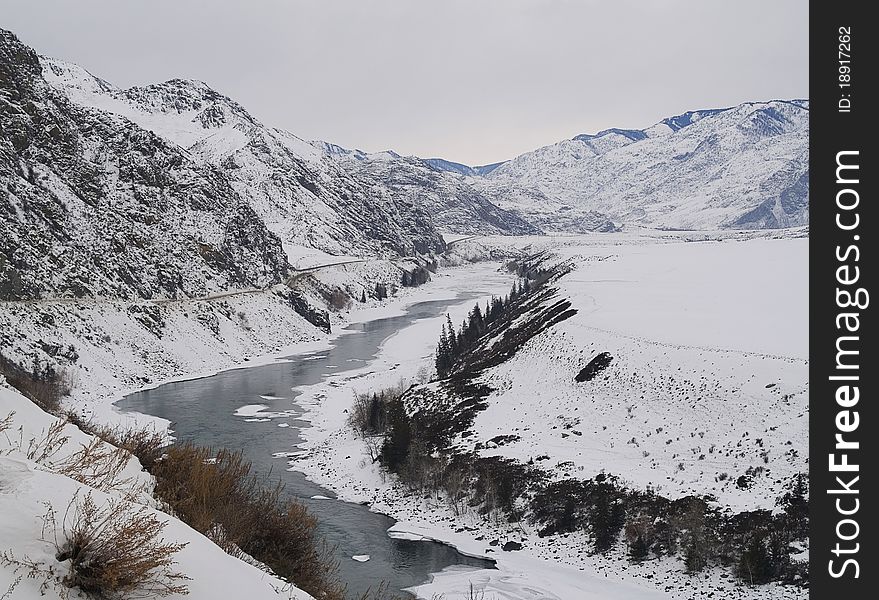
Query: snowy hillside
x=302, y=198
x=93, y=205
x=45, y=483
x=303, y=194
x=454, y=203
x=663, y=360
x=741, y=167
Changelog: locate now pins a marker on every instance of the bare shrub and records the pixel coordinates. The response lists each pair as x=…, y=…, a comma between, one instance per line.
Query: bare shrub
x=6, y=422
x=379, y=592
x=217, y=495
x=338, y=299
x=43, y=449
x=146, y=443
x=369, y=413
x=26, y=568
x=116, y=551
x=98, y=465
x=424, y=374
x=640, y=526
x=42, y=384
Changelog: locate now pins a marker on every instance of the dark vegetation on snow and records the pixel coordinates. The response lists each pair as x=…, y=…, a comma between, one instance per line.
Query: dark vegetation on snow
x=44, y=384
x=116, y=551
x=492, y=335
x=411, y=432
x=216, y=494
x=595, y=366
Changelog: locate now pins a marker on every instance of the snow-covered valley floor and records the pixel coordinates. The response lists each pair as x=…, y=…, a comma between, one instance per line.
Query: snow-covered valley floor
x=708, y=382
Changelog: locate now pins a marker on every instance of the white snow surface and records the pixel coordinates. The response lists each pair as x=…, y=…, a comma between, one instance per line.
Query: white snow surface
x=640, y=296
x=698, y=330
x=29, y=489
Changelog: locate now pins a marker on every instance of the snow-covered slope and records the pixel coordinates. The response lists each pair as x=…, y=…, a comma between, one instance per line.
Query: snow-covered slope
x=93, y=205
x=302, y=198
x=706, y=393
x=455, y=204
x=453, y=167
x=741, y=167
x=304, y=194
x=39, y=485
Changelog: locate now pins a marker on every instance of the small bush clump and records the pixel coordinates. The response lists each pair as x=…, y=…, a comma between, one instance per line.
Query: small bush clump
x=116, y=551
x=146, y=443
x=369, y=414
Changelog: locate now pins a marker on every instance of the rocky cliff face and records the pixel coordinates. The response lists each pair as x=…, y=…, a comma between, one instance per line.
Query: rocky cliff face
x=301, y=196
x=91, y=204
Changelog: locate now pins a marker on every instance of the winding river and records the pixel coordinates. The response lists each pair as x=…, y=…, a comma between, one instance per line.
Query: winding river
x=204, y=411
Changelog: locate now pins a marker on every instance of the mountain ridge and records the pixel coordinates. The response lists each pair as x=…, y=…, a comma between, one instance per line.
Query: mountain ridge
x=299, y=188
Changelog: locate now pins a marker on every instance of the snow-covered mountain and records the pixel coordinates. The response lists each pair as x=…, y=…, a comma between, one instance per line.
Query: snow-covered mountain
x=739, y=167
x=92, y=204
x=302, y=190
x=108, y=183
x=456, y=204
x=453, y=167
x=302, y=197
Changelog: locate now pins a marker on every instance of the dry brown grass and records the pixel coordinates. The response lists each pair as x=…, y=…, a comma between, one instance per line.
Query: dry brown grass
x=44, y=386
x=42, y=449
x=100, y=466
x=217, y=495
x=97, y=464
x=146, y=443
x=116, y=551
x=6, y=422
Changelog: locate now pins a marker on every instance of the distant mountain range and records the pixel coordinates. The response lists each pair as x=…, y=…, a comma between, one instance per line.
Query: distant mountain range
x=174, y=187
x=739, y=167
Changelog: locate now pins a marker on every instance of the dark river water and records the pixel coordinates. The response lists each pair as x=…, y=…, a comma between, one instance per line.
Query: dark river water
x=203, y=411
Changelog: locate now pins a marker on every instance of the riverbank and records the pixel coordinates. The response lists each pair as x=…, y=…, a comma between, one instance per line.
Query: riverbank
x=109, y=350
x=256, y=411
x=749, y=367
x=446, y=287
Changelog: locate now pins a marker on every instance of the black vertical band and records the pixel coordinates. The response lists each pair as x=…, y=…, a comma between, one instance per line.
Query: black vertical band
x=842, y=260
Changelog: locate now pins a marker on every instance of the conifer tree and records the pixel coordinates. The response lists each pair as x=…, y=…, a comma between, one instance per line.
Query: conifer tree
x=754, y=563
x=443, y=354
x=395, y=448
x=453, y=338
x=638, y=549
x=477, y=322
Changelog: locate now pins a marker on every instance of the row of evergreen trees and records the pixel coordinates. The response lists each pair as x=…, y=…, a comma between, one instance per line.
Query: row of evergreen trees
x=453, y=344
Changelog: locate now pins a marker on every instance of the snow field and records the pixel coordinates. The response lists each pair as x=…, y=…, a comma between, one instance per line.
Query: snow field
x=709, y=379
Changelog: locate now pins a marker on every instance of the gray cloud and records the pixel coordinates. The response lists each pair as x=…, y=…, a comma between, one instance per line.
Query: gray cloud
x=470, y=80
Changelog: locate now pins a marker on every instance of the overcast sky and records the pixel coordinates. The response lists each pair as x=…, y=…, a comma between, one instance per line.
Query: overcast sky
x=476, y=81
